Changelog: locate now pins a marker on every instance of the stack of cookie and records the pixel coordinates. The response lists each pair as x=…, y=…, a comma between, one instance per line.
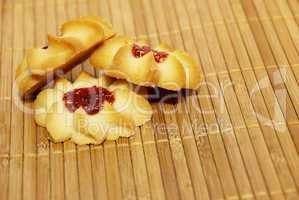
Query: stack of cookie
x=92, y=110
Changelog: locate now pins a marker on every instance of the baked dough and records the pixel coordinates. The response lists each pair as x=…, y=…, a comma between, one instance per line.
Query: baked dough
x=114, y=119
x=167, y=68
x=78, y=39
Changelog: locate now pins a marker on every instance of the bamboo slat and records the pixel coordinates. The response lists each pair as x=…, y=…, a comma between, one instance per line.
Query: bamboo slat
x=43, y=159
x=236, y=137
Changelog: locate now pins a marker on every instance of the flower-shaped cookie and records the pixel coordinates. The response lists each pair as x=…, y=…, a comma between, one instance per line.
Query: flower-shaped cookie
x=137, y=62
x=77, y=40
x=90, y=110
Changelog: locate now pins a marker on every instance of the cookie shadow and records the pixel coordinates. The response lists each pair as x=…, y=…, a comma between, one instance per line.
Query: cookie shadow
x=160, y=95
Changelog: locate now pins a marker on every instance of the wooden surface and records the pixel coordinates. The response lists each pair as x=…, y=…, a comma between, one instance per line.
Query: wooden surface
x=238, y=137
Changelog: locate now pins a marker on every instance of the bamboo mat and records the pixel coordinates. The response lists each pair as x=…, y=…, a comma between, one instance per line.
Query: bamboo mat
x=237, y=137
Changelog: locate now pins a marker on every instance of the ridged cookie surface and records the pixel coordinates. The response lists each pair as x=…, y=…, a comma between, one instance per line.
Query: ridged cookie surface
x=123, y=58
x=115, y=117
x=78, y=38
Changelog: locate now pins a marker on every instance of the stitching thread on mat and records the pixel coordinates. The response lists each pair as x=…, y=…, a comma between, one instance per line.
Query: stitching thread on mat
x=13, y=49
x=225, y=72
x=82, y=149
x=11, y=5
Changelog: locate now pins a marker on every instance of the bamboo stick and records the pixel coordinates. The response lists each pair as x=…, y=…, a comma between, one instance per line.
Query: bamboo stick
x=43, y=156
x=259, y=73
x=163, y=150
x=237, y=119
x=130, y=22
x=182, y=41
x=176, y=146
x=16, y=148
x=65, y=11
x=98, y=173
x=97, y=8
x=29, y=170
x=83, y=152
x=228, y=137
x=113, y=174
x=294, y=6
x=112, y=170
x=56, y=149
x=289, y=44
x=124, y=150
x=285, y=138
x=5, y=105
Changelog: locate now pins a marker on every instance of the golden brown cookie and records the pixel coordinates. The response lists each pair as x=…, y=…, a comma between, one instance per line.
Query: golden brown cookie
x=78, y=39
x=120, y=57
x=90, y=110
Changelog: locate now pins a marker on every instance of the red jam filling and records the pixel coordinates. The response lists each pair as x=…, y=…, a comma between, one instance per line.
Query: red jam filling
x=91, y=99
x=160, y=56
x=139, y=51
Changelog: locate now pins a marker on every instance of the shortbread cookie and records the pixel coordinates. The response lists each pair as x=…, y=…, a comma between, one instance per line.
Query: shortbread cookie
x=171, y=69
x=90, y=110
x=78, y=38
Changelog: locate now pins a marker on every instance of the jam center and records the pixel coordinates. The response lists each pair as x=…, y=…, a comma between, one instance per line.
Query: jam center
x=160, y=56
x=91, y=99
x=139, y=51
